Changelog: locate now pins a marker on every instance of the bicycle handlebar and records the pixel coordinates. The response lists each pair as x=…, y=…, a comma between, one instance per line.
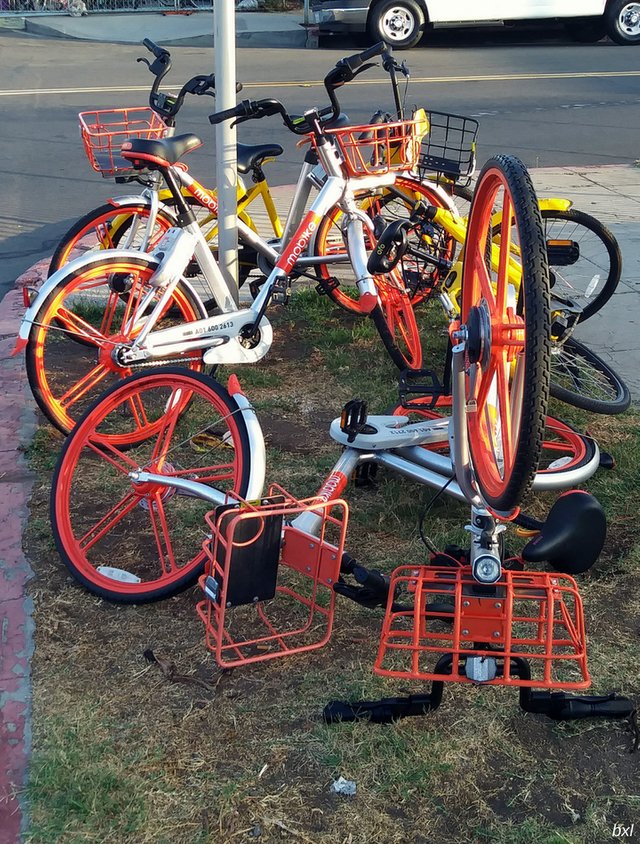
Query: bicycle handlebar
x=344, y=71
x=167, y=106
x=157, y=51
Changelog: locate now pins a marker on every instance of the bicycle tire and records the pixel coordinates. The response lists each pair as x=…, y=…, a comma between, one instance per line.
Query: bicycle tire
x=603, y=255
x=116, y=222
x=328, y=227
x=563, y=446
x=56, y=363
x=395, y=321
x=106, y=547
x=511, y=358
x=581, y=378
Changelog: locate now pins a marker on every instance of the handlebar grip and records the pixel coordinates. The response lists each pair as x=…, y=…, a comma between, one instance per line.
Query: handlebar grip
x=153, y=47
x=243, y=109
x=377, y=50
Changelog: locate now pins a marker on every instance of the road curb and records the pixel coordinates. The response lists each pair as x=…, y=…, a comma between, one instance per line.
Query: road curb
x=18, y=424
x=278, y=38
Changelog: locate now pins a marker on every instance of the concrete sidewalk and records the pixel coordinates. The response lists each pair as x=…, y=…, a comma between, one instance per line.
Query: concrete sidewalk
x=610, y=193
x=195, y=29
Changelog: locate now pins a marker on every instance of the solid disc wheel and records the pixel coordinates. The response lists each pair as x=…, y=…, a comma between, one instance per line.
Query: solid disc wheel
x=135, y=542
x=581, y=378
x=622, y=21
x=505, y=321
x=65, y=376
x=396, y=323
x=338, y=281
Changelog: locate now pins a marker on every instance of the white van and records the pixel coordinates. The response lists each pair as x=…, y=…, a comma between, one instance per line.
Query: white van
x=402, y=23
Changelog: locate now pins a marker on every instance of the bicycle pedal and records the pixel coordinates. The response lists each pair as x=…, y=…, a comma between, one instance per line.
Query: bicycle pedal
x=327, y=286
x=281, y=291
x=419, y=382
x=353, y=419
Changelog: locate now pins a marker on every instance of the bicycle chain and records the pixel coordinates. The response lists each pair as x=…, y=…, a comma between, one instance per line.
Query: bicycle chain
x=163, y=362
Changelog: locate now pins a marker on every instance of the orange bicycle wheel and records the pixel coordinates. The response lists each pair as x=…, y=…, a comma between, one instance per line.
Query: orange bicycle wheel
x=337, y=279
x=135, y=542
x=109, y=227
x=505, y=326
x=396, y=322
x=65, y=375
x=563, y=447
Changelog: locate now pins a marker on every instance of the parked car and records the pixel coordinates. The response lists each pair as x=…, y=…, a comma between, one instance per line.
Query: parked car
x=402, y=23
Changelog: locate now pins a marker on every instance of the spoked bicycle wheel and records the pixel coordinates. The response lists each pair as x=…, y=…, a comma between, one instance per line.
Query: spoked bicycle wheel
x=396, y=323
x=125, y=227
x=338, y=281
x=137, y=542
x=581, y=378
x=65, y=375
x=505, y=319
x=585, y=263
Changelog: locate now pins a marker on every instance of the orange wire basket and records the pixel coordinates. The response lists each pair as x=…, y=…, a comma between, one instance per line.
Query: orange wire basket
x=104, y=132
x=536, y=616
x=268, y=584
x=370, y=150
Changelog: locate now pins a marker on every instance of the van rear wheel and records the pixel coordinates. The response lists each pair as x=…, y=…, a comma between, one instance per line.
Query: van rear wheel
x=622, y=20
x=400, y=23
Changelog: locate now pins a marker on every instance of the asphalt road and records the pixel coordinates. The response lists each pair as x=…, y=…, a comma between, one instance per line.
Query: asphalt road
x=550, y=102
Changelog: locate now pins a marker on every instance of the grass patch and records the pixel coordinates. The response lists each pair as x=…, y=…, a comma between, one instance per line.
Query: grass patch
x=122, y=754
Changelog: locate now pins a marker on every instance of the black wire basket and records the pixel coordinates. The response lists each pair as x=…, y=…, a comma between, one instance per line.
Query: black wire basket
x=449, y=149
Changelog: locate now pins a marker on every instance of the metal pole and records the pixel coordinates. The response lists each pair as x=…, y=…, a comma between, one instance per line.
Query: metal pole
x=226, y=156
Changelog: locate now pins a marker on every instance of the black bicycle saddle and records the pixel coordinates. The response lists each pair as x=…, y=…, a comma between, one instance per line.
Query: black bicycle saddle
x=572, y=536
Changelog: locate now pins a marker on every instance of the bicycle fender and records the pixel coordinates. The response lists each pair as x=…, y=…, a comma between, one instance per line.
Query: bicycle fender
x=81, y=263
x=257, y=449
x=123, y=201
x=555, y=204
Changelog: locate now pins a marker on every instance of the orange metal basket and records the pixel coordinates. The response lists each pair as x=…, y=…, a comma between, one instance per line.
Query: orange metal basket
x=536, y=616
x=370, y=150
x=104, y=132
x=269, y=585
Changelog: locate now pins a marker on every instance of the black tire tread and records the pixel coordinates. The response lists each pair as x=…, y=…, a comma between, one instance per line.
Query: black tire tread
x=576, y=398
x=535, y=278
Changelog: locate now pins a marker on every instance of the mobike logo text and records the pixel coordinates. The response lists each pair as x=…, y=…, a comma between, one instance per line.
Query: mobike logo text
x=295, y=249
x=334, y=484
x=205, y=198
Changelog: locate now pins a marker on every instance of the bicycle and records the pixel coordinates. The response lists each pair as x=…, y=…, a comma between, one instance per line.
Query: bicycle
x=159, y=419
x=503, y=625
x=143, y=288
x=584, y=257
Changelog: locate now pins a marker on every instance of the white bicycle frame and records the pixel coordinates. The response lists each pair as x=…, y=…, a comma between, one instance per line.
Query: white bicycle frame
x=176, y=243
x=392, y=442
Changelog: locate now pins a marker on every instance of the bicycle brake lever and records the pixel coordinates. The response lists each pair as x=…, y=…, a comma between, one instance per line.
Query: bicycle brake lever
x=146, y=61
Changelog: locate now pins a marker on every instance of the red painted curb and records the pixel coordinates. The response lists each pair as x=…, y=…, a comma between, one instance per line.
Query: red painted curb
x=17, y=425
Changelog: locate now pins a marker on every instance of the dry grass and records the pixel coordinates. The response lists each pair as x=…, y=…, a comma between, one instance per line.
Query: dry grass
x=123, y=755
